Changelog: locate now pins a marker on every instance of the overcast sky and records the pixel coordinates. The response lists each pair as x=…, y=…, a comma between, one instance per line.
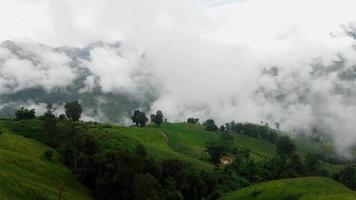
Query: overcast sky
x=209, y=55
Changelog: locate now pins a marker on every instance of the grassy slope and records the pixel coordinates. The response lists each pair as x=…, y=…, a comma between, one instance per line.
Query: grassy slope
x=172, y=140
x=156, y=142
x=296, y=188
x=25, y=174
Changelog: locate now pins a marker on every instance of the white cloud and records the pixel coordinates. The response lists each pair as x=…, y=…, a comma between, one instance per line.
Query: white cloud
x=208, y=60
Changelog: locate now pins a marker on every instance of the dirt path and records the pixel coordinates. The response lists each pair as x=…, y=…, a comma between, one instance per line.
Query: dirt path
x=164, y=136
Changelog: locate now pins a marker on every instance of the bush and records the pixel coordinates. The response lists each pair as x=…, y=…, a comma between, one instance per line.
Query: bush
x=48, y=154
x=210, y=125
x=25, y=113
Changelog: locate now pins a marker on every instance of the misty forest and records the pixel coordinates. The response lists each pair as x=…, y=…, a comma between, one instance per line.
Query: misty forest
x=177, y=100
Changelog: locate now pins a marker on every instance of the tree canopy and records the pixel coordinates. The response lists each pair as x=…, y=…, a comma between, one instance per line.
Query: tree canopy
x=73, y=110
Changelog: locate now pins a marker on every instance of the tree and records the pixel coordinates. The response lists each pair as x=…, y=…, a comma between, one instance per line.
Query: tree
x=224, y=146
x=142, y=119
x=49, y=112
x=192, y=120
x=25, y=113
x=216, y=151
x=73, y=110
x=157, y=118
x=210, y=125
x=313, y=165
x=146, y=186
x=152, y=117
x=277, y=124
x=48, y=154
x=222, y=128
x=347, y=176
x=139, y=118
x=296, y=165
x=285, y=146
x=49, y=128
x=134, y=118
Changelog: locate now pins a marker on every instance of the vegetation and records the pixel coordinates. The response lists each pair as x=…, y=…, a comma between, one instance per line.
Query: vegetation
x=210, y=125
x=25, y=174
x=172, y=160
x=295, y=188
x=73, y=110
x=25, y=113
x=139, y=118
x=157, y=118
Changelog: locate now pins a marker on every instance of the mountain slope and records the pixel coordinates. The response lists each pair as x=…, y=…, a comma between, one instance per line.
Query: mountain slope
x=295, y=188
x=26, y=174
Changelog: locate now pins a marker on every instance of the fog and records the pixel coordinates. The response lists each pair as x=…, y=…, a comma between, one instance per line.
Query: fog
x=287, y=61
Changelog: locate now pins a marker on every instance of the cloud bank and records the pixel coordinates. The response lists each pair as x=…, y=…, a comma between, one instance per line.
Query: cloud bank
x=278, y=60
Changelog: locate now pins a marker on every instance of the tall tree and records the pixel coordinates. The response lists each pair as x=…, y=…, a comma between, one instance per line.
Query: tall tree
x=73, y=110
x=134, y=117
x=210, y=125
x=158, y=118
x=142, y=119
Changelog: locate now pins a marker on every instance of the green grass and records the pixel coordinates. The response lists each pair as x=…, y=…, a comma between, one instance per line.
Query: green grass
x=192, y=139
x=295, y=188
x=188, y=138
x=304, y=147
x=155, y=141
x=259, y=148
x=25, y=174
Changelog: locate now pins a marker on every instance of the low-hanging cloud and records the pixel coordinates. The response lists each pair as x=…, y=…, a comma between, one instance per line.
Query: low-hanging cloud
x=287, y=61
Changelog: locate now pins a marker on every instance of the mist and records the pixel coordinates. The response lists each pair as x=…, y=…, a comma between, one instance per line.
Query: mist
x=285, y=61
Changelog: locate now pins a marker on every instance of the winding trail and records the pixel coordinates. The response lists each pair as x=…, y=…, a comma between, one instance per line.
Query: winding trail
x=164, y=136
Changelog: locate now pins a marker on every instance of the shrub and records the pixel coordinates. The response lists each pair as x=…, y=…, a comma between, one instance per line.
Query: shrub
x=25, y=113
x=48, y=154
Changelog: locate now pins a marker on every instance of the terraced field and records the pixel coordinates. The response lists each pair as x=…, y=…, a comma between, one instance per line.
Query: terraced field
x=26, y=175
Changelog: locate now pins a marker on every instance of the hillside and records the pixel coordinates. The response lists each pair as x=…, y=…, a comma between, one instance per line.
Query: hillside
x=295, y=188
x=25, y=174
x=183, y=141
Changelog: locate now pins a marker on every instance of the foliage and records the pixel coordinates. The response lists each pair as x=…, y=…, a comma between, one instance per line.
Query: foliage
x=192, y=120
x=25, y=113
x=48, y=154
x=26, y=175
x=157, y=118
x=140, y=150
x=210, y=125
x=73, y=110
x=285, y=146
x=139, y=118
x=347, y=176
x=223, y=147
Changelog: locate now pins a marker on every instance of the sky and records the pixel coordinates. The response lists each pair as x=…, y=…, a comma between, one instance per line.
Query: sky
x=246, y=60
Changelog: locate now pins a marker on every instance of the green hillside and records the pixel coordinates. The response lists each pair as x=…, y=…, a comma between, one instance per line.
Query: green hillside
x=183, y=141
x=295, y=188
x=26, y=174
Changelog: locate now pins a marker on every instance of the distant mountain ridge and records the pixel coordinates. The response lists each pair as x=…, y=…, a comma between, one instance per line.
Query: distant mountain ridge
x=33, y=75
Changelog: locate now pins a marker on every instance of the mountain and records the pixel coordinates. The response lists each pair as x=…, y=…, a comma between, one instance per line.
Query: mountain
x=109, y=79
